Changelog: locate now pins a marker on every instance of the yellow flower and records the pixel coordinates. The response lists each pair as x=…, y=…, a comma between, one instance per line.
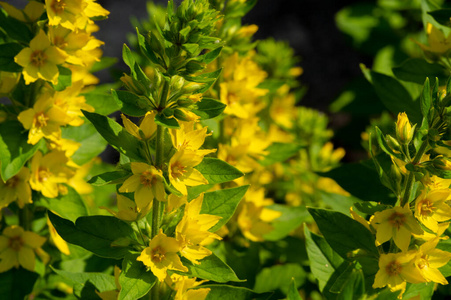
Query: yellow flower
x=43, y=120
x=32, y=11
x=182, y=172
x=145, y=130
x=438, y=43
x=128, y=210
x=16, y=188
x=183, y=285
x=146, y=182
x=397, y=223
x=78, y=45
x=188, y=138
x=404, y=131
x=40, y=60
x=48, y=171
x=71, y=103
x=69, y=147
x=67, y=13
x=192, y=231
x=8, y=82
x=161, y=256
x=431, y=208
x=429, y=259
x=174, y=202
x=247, y=31
x=57, y=239
x=18, y=247
x=397, y=269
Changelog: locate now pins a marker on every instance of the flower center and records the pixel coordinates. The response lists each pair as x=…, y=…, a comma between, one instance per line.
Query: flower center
x=58, y=6
x=397, y=219
x=12, y=182
x=177, y=169
x=157, y=254
x=423, y=262
x=15, y=243
x=147, y=179
x=41, y=120
x=43, y=174
x=38, y=58
x=59, y=42
x=426, y=207
x=394, y=268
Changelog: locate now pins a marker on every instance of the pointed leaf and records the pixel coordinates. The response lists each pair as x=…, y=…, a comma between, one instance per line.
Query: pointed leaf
x=135, y=280
x=218, y=171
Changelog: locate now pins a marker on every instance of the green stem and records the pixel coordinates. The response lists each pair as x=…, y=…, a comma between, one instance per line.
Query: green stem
x=25, y=217
x=409, y=183
x=155, y=292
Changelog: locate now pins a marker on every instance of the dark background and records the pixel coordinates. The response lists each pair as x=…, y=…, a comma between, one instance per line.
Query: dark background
x=307, y=25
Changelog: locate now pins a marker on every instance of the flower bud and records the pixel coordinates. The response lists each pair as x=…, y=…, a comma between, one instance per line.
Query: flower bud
x=176, y=83
x=392, y=143
x=404, y=130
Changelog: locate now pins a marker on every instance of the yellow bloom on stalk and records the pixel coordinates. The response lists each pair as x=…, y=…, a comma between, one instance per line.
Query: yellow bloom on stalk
x=57, y=239
x=395, y=270
x=183, y=285
x=182, y=172
x=188, y=138
x=432, y=208
x=69, y=147
x=43, y=120
x=67, y=13
x=71, y=103
x=146, y=129
x=429, y=259
x=396, y=223
x=78, y=45
x=161, y=256
x=128, y=210
x=283, y=111
x=113, y=294
x=8, y=82
x=32, y=11
x=438, y=43
x=404, y=130
x=40, y=60
x=18, y=247
x=192, y=231
x=146, y=182
x=435, y=183
x=174, y=202
x=48, y=172
x=254, y=217
x=16, y=188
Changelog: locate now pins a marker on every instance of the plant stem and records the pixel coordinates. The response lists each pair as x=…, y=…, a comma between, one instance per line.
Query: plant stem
x=409, y=183
x=25, y=218
x=159, y=159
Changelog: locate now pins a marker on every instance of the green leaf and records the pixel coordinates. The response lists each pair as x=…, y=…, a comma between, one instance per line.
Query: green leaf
x=103, y=103
x=210, y=268
x=146, y=49
x=114, y=177
x=116, y=135
x=64, y=79
x=209, y=108
x=14, y=149
x=362, y=181
x=383, y=143
x=343, y=233
x=195, y=191
x=395, y=96
x=370, y=207
x=132, y=104
x=218, y=171
x=293, y=293
x=69, y=206
x=417, y=69
x=442, y=16
x=17, y=283
x=290, y=219
x=15, y=29
x=162, y=120
x=104, y=63
x=92, y=143
x=426, y=98
x=207, y=78
x=323, y=259
x=102, y=282
x=227, y=292
x=97, y=234
x=135, y=280
x=222, y=203
x=280, y=152
x=7, y=53
x=211, y=56
x=347, y=282
x=127, y=57
x=279, y=277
